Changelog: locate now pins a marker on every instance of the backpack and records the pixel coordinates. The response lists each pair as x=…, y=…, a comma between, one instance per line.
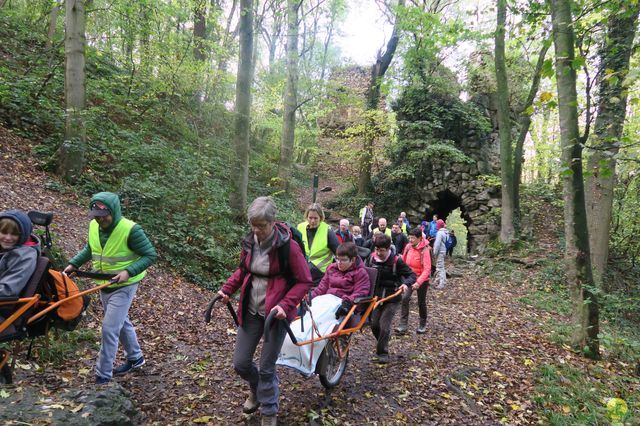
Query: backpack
x=283, y=253
x=449, y=242
x=58, y=286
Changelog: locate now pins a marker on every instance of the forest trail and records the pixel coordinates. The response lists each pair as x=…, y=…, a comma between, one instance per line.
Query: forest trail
x=476, y=322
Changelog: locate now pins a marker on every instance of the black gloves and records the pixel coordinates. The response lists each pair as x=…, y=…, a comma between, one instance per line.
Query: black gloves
x=343, y=309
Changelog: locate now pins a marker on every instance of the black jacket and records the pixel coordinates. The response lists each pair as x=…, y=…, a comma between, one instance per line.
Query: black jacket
x=391, y=277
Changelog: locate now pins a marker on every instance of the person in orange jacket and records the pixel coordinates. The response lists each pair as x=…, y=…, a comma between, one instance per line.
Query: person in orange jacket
x=417, y=255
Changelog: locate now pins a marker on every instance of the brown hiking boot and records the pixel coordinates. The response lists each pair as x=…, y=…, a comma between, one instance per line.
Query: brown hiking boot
x=251, y=404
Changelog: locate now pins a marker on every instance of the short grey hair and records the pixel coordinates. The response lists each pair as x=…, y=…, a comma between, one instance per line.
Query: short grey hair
x=262, y=208
x=345, y=221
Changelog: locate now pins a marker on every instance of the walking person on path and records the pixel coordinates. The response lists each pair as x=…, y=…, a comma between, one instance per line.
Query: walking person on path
x=393, y=274
x=115, y=245
x=265, y=286
x=320, y=242
x=343, y=234
x=366, y=219
x=451, y=243
x=439, y=252
x=417, y=255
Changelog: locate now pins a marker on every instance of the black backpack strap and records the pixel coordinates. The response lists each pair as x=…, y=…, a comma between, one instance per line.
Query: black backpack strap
x=283, y=259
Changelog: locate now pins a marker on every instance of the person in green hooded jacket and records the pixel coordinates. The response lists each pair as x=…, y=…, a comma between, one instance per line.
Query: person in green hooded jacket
x=116, y=245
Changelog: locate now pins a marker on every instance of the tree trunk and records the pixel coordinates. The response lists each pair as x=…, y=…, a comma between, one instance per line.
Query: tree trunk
x=199, y=30
x=578, y=264
x=240, y=175
x=525, y=123
x=507, y=229
x=291, y=94
x=53, y=22
x=70, y=155
x=614, y=56
x=373, y=99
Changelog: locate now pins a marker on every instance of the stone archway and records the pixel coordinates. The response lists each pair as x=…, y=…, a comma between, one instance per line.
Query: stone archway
x=447, y=187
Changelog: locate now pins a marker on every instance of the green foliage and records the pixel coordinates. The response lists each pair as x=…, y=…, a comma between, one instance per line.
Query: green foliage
x=624, y=243
x=430, y=126
x=425, y=34
x=150, y=137
x=64, y=345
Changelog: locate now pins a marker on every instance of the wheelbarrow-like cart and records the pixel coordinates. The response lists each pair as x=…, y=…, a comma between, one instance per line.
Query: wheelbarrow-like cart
x=333, y=359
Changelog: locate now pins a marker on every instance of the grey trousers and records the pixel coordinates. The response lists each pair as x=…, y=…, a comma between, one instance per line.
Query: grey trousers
x=116, y=327
x=441, y=273
x=263, y=381
x=422, y=305
x=381, y=319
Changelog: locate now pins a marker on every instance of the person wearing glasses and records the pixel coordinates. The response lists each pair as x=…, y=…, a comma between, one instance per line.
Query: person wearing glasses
x=346, y=278
x=265, y=287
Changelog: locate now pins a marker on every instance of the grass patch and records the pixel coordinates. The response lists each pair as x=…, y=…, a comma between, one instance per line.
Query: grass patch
x=64, y=344
x=567, y=395
x=570, y=396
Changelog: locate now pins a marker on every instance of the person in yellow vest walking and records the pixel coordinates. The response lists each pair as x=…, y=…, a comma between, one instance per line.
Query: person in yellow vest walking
x=320, y=242
x=116, y=245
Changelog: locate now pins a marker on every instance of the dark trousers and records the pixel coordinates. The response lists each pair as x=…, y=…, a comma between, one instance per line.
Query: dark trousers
x=422, y=305
x=381, y=319
x=365, y=230
x=263, y=381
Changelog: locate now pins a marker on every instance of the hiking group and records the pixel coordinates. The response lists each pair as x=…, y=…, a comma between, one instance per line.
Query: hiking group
x=279, y=266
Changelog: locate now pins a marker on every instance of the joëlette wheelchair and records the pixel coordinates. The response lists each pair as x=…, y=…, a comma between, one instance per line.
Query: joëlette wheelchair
x=33, y=313
x=333, y=360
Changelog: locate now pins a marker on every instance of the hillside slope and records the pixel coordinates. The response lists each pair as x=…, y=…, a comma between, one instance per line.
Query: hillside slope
x=478, y=363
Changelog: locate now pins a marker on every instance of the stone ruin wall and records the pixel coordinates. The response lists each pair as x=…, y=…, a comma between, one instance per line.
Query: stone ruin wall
x=440, y=188
x=445, y=187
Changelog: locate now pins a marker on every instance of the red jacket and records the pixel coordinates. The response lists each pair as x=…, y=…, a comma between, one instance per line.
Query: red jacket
x=419, y=260
x=348, y=285
x=278, y=290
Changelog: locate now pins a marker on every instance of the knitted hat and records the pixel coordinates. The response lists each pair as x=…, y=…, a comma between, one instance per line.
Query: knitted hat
x=23, y=221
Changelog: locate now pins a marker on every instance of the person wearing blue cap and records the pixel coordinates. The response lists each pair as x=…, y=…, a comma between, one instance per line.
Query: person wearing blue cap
x=19, y=251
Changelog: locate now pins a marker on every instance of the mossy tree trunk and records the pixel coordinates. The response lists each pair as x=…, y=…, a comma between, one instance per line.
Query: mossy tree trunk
x=577, y=258
x=291, y=95
x=70, y=155
x=507, y=228
x=373, y=99
x=240, y=171
x=615, y=55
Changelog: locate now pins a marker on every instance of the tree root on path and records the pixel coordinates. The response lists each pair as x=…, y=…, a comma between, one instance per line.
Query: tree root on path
x=470, y=405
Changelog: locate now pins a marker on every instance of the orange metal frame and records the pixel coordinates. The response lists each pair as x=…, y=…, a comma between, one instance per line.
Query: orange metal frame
x=28, y=302
x=341, y=331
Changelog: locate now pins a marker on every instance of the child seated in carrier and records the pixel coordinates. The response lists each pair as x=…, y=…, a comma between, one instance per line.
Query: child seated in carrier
x=347, y=279
x=19, y=252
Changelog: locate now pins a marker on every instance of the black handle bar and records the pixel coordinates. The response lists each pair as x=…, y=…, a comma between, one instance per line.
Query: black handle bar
x=94, y=275
x=268, y=324
x=207, y=312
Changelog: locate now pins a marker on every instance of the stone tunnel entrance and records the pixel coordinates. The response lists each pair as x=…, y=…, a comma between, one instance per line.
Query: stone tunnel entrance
x=459, y=186
x=445, y=206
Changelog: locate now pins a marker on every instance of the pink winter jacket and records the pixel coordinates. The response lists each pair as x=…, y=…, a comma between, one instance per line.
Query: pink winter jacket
x=347, y=285
x=419, y=260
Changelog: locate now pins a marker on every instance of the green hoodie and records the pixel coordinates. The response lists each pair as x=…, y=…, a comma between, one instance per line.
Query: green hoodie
x=137, y=241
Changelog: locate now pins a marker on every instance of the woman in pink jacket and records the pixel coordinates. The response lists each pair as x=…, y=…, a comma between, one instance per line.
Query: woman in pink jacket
x=418, y=256
x=346, y=278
